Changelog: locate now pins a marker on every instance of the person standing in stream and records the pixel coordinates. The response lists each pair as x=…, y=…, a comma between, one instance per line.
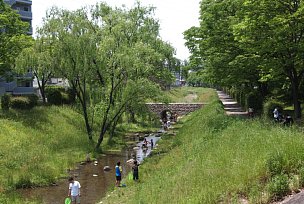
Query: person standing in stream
x=118, y=171
x=135, y=171
x=74, y=190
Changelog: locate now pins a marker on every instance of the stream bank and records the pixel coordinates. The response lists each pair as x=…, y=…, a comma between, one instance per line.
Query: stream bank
x=94, y=181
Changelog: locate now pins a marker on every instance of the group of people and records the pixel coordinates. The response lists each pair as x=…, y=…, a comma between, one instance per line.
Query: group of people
x=74, y=186
x=146, y=142
x=284, y=119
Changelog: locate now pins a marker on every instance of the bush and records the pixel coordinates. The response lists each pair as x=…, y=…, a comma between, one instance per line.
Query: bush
x=276, y=164
x=57, y=95
x=20, y=102
x=278, y=186
x=33, y=99
x=270, y=105
x=53, y=94
x=254, y=100
x=5, y=102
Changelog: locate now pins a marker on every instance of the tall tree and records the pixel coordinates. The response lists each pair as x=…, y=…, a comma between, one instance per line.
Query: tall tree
x=40, y=61
x=274, y=31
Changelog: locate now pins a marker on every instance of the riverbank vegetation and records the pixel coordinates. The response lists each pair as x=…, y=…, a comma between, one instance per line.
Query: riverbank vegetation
x=256, y=58
x=215, y=158
x=40, y=144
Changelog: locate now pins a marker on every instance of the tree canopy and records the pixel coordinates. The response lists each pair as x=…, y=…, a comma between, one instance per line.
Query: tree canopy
x=251, y=45
x=113, y=58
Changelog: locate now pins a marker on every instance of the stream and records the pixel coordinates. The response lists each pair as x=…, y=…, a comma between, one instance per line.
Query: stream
x=94, y=181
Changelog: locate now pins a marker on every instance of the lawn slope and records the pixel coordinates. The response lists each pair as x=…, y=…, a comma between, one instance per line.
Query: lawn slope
x=215, y=158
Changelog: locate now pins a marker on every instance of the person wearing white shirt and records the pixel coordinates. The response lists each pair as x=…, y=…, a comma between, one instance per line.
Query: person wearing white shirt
x=74, y=190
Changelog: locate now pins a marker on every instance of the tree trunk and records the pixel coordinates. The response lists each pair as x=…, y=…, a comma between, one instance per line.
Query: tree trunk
x=100, y=139
x=296, y=99
x=86, y=119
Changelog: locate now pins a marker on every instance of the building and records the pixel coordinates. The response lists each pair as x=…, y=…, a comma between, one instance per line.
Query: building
x=24, y=8
x=17, y=85
x=14, y=84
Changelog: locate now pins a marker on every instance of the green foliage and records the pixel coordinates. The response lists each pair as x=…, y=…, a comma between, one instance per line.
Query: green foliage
x=21, y=102
x=5, y=102
x=276, y=164
x=236, y=47
x=13, y=36
x=270, y=105
x=215, y=158
x=278, y=186
x=301, y=176
x=255, y=101
x=39, y=145
x=33, y=99
x=57, y=95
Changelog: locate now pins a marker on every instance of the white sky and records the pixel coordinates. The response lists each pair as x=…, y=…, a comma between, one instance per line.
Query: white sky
x=175, y=16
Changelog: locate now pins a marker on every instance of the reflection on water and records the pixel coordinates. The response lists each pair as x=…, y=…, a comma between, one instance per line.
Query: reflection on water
x=93, y=179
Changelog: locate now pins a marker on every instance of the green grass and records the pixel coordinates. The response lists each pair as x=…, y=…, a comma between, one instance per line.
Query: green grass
x=216, y=158
x=190, y=95
x=37, y=146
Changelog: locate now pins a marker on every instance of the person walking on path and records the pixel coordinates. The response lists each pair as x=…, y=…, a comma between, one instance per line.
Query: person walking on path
x=74, y=191
x=118, y=172
x=135, y=171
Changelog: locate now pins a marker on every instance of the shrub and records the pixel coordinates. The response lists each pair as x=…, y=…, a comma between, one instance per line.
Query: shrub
x=270, y=105
x=33, y=99
x=5, y=102
x=275, y=164
x=255, y=101
x=278, y=186
x=57, y=95
x=301, y=177
x=72, y=95
x=20, y=102
x=53, y=94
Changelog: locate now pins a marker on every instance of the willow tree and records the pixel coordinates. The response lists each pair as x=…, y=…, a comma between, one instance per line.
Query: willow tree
x=38, y=58
x=74, y=52
x=129, y=52
x=112, y=58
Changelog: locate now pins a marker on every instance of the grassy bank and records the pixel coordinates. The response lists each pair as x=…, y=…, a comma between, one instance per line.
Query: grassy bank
x=37, y=146
x=219, y=159
x=190, y=95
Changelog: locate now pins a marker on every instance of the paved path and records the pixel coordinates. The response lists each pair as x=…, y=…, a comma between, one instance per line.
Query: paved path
x=230, y=105
x=293, y=199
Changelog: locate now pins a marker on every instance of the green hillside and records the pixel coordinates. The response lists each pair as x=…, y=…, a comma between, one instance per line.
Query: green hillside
x=219, y=159
x=37, y=146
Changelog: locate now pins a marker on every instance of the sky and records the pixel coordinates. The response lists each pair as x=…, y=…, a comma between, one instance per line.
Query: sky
x=175, y=16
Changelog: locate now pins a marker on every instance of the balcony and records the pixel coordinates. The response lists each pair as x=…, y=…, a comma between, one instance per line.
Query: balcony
x=26, y=15
x=12, y=2
x=23, y=90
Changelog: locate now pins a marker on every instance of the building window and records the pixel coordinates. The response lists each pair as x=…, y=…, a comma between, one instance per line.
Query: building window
x=26, y=8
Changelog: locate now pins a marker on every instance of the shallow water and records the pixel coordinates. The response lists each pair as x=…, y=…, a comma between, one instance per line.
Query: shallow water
x=93, y=179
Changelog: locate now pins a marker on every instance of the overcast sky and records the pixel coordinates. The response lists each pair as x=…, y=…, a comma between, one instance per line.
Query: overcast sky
x=175, y=16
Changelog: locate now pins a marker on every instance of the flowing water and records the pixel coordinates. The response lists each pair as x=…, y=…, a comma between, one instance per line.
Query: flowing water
x=94, y=181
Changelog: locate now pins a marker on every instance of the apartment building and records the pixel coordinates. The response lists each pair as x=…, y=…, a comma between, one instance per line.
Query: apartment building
x=24, y=8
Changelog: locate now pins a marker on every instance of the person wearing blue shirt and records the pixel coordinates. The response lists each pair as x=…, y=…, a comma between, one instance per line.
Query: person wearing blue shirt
x=118, y=171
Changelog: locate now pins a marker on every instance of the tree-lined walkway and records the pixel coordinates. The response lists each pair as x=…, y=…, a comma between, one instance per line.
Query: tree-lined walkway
x=230, y=105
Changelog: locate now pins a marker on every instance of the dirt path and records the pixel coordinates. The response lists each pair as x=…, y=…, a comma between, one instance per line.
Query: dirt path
x=230, y=105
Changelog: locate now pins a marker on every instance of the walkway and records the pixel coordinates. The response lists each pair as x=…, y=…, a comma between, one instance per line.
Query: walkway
x=230, y=105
